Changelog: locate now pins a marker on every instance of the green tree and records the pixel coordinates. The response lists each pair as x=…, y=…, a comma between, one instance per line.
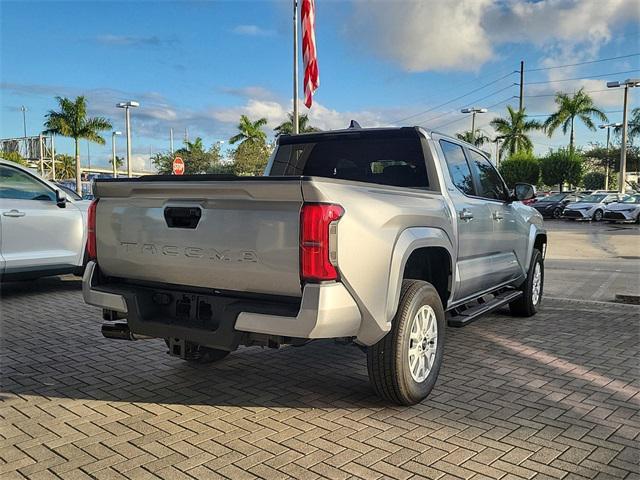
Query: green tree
x=250, y=158
x=14, y=157
x=197, y=160
x=633, y=126
x=72, y=121
x=250, y=131
x=479, y=139
x=599, y=158
x=561, y=166
x=569, y=107
x=520, y=167
x=65, y=166
x=119, y=162
x=286, y=128
x=593, y=180
x=513, y=131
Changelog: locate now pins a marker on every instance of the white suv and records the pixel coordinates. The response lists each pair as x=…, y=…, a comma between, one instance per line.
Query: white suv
x=42, y=229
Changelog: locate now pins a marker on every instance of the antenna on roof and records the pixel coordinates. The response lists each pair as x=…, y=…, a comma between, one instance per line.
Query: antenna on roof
x=354, y=124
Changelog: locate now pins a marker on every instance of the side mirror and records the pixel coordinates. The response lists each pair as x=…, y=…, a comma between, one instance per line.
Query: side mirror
x=61, y=199
x=524, y=191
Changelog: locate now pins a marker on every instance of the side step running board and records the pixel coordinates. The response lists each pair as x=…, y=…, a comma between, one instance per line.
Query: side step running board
x=465, y=317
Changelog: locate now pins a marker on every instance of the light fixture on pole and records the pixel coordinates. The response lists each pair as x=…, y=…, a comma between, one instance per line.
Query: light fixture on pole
x=113, y=153
x=127, y=121
x=606, y=168
x=628, y=83
x=473, y=111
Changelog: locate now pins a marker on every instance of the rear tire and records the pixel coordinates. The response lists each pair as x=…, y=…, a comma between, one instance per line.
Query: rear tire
x=557, y=213
x=529, y=303
x=404, y=365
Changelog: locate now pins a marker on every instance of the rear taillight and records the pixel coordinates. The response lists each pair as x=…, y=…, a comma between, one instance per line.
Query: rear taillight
x=318, y=234
x=91, y=230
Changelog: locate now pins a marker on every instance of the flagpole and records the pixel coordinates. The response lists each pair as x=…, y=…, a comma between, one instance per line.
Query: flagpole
x=295, y=67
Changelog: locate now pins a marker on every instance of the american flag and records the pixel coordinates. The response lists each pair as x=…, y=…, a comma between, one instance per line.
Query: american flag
x=311, y=75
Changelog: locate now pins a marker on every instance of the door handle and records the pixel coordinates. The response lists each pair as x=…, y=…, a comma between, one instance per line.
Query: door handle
x=465, y=214
x=497, y=216
x=13, y=213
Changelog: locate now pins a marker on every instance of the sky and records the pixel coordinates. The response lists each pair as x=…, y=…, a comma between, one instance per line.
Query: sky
x=196, y=66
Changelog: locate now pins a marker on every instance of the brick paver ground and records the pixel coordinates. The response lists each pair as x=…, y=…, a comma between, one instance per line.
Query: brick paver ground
x=553, y=396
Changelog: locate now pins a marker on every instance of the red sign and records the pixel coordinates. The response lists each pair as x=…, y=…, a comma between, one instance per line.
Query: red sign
x=178, y=166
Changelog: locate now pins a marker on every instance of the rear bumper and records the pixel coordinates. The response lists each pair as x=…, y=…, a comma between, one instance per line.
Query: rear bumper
x=325, y=311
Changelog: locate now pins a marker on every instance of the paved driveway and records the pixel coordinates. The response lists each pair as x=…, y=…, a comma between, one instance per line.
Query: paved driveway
x=554, y=396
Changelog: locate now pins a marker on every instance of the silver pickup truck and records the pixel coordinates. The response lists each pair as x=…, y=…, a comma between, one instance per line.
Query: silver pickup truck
x=376, y=237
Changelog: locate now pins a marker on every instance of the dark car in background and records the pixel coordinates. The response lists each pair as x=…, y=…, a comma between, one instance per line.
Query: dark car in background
x=553, y=205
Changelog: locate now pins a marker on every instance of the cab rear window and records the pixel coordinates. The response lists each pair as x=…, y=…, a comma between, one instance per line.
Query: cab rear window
x=384, y=159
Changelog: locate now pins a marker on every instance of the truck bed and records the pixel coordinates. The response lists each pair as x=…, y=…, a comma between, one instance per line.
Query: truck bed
x=206, y=231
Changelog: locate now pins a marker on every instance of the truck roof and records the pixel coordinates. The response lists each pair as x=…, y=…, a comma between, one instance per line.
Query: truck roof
x=364, y=130
x=289, y=139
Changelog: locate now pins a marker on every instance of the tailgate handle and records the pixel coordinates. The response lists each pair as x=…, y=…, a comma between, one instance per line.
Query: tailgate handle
x=182, y=217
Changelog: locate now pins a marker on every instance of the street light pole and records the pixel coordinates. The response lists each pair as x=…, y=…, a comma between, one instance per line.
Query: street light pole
x=127, y=122
x=473, y=111
x=629, y=83
x=113, y=153
x=24, y=126
x=623, y=147
x=606, y=167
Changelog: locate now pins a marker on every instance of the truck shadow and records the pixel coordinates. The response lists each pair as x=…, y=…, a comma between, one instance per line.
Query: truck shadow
x=40, y=286
x=52, y=348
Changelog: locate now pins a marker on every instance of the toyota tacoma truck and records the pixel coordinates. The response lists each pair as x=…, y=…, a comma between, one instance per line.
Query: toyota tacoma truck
x=376, y=237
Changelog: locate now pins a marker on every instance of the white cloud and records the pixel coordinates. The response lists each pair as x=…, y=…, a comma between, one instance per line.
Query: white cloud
x=133, y=40
x=433, y=35
x=252, y=31
x=463, y=34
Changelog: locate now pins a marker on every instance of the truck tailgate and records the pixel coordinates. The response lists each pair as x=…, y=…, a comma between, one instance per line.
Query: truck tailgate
x=238, y=235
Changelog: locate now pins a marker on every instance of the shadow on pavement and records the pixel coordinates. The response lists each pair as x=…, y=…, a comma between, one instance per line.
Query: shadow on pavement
x=52, y=347
x=40, y=286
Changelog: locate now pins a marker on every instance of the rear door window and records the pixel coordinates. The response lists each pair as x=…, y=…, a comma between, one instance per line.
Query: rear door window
x=385, y=159
x=458, y=167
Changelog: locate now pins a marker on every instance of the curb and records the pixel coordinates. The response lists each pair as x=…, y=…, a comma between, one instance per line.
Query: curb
x=628, y=298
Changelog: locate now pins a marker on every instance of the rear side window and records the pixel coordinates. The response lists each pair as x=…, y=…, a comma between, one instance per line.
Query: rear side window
x=458, y=167
x=491, y=184
x=388, y=160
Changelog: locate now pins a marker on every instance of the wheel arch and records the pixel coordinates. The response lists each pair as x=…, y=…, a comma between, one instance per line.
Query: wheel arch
x=537, y=239
x=421, y=253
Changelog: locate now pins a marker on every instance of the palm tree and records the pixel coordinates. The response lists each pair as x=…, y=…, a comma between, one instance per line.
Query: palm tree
x=286, y=127
x=580, y=105
x=633, y=126
x=479, y=139
x=191, y=148
x=65, y=166
x=250, y=131
x=513, y=131
x=71, y=121
x=119, y=162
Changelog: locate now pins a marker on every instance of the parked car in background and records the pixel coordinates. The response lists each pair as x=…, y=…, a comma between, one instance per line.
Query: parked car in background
x=43, y=229
x=591, y=207
x=553, y=205
x=627, y=210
